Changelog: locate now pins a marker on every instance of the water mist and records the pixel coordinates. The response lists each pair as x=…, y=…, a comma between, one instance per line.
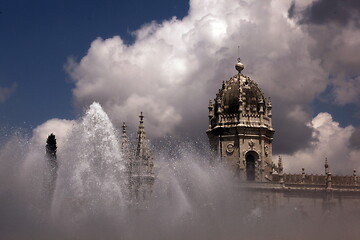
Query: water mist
x=191, y=199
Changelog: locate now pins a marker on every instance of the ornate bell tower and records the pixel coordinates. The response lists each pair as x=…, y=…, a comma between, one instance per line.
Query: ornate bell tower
x=240, y=128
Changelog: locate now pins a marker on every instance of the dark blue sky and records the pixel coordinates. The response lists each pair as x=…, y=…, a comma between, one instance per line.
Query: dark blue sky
x=37, y=37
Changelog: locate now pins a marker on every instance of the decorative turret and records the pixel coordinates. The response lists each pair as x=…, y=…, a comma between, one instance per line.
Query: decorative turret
x=142, y=176
x=125, y=149
x=240, y=128
x=141, y=138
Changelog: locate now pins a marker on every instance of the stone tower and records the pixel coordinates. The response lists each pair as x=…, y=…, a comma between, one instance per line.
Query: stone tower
x=141, y=169
x=240, y=128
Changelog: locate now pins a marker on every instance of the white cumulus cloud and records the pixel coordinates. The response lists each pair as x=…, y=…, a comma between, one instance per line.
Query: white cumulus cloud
x=331, y=141
x=174, y=67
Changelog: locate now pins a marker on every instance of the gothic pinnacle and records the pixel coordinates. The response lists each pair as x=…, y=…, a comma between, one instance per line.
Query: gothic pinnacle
x=141, y=117
x=124, y=128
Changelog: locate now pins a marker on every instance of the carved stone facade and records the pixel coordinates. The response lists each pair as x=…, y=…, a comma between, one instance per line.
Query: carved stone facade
x=240, y=133
x=240, y=127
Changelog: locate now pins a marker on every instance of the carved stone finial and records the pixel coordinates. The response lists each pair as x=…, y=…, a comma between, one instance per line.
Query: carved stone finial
x=326, y=166
x=280, y=170
x=239, y=66
x=303, y=175
x=141, y=117
x=124, y=128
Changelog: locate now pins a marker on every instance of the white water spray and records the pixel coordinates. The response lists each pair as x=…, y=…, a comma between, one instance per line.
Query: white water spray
x=91, y=174
x=191, y=199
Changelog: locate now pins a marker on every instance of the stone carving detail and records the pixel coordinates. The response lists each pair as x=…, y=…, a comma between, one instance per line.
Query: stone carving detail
x=266, y=150
x=230, y=148
x=251, y=144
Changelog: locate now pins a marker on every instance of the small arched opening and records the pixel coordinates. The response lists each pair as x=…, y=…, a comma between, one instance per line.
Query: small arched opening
x=251, y=158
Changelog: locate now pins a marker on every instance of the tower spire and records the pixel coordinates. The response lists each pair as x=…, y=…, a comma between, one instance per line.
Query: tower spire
x=142, y=176
x=124, y=128
x=141, y=118
x=125, y=149
x=140, y=150
x=125, y=139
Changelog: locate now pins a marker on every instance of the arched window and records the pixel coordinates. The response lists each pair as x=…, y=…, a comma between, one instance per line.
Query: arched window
x=251, y=158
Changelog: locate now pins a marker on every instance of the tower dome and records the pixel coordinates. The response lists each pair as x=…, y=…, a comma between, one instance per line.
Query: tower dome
x=241, y=94
x=240, y=128
x=240, y=97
